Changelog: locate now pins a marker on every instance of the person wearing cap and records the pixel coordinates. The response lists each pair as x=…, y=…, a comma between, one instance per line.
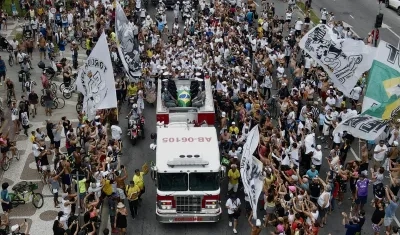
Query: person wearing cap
x=16, y=229
x=233, y=129
x=379, y=154
x=233, y=176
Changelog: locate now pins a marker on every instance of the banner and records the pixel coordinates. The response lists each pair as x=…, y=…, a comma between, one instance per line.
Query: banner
x=382, y=98
x=251, y=169
x=363, y=127
x=344, y=60
x=128, y=46
x=96, y=80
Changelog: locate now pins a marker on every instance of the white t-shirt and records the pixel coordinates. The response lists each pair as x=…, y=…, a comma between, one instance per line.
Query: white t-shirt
x=280, y=71
x=317, y=158
x=116, y=132
x=356, y=92
x=331, y=101
x=381, y=155
x=298, y=25
x=232, y=205
x=35, y=149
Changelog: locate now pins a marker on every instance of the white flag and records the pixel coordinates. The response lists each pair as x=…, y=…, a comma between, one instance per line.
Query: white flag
x=251, y=170
x=363, y=127
x=344, y=60
x=96, y=80
x=128, y=47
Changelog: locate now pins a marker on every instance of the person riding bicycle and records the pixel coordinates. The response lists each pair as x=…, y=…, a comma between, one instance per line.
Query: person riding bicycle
x=134, y=112
x=10, y=88
x=67, y=75
x=45, y=81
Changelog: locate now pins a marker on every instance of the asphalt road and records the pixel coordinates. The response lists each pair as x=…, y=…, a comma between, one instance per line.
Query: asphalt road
x=361, y=14
x=146, y=222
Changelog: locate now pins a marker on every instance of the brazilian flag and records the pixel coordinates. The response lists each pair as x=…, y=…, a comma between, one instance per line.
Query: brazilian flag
x=184, y=98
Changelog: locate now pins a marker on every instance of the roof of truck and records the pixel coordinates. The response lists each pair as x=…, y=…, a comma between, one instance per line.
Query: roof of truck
x=208, y=103
x=187, y=148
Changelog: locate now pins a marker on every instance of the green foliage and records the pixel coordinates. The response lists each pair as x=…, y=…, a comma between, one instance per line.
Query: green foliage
x=314, y=18
x=7, y=7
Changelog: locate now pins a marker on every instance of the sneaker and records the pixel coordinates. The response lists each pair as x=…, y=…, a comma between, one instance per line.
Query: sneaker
x=234, y=231
x=230, y=224
x=1, y=84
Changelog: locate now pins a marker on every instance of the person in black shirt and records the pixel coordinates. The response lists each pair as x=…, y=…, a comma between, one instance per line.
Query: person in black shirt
x=315, y=190
x=49, y=129
x=66, y=124
x=10, y=88
x=377, y=217
x=33, y=99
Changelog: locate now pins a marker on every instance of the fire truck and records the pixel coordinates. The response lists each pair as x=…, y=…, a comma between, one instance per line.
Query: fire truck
x=187, y=171
x=184, y=91
x=187, y=174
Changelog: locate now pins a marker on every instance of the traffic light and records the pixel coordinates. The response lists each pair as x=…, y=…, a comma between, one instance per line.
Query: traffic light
x=379, y=20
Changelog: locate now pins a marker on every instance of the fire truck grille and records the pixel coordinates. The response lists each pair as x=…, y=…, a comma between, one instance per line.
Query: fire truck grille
x=188, y=204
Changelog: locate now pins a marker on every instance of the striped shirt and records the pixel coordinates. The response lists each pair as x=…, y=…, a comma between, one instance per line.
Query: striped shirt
x=328, y=120
x=315, y=112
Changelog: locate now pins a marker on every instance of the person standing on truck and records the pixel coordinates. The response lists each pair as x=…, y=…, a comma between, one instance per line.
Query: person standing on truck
x=233, y=175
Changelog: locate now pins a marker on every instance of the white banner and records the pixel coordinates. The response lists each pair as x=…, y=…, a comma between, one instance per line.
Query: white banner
x=363, y=127
x=251, y=169
x=96, y=80
x=128, y=46
x=344, y=60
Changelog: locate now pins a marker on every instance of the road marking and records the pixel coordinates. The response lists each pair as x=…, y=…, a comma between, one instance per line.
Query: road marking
x=354, y=154
x=351, y=16
x=396, y=220
x=256, y=3
x=385, y=26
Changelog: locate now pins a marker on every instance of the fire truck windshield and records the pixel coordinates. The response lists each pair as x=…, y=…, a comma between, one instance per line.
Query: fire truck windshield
x=206, y=181
x=172, y=181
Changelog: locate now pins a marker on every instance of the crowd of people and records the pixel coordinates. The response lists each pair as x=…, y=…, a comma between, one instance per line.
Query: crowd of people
x=260, y=76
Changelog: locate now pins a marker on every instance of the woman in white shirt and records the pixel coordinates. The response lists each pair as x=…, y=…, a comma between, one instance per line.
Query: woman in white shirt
x=233, y=206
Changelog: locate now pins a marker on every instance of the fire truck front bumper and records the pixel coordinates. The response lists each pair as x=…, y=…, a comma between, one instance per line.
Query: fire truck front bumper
x=188, y=218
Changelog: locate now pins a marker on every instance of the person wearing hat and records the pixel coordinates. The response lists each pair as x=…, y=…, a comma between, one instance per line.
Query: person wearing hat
x=133, y=192
x=121, y=222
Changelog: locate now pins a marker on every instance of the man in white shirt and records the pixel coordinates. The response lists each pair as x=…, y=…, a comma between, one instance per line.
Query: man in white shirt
x=355, y=93
x=116, y=132
x=298, y=26
x=317, y=158
x=379, y=154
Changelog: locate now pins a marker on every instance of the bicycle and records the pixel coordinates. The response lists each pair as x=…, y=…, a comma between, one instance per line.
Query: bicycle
x=24, y=192
x=7, y=159
x=44, y=177
x=58, y=102
x=273, y=106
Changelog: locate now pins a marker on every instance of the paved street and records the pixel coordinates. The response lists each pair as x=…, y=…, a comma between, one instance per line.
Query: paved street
x=361, y=14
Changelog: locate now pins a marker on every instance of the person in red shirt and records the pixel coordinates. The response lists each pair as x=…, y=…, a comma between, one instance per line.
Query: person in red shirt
x=297, y=221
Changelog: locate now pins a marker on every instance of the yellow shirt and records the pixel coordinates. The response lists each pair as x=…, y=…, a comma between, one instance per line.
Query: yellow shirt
x=107, y=188
x=132, y=192
x=113, y=37
x=234, y=130
x=233, y=176
x=132, y=90
x=138, y=179
x=88, y=47
x=82, y=186
x=32, y=138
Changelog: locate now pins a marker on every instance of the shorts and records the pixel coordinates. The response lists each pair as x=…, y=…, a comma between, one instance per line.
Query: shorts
x=6, y=207
x=29, y=50
x=376, y=228
x=66, y=179
x=45, y=167
x=55, y=195
x=57, y=144
x=42, y=49
x=51, y=140
x=48, y=104
x=361, y=200
x=82, y=195
x=233, y=216
x=3, y=74
x=376, y=164
x=387, y=221
x=5, y=149
x=233, y=186
x=322, y=212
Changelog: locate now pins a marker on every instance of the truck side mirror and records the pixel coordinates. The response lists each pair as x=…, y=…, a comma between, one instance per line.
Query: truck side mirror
x=222, y=172
x=153, y=172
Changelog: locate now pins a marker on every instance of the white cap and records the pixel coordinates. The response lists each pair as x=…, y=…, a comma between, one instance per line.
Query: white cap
x=223, y=114
x=233, y=123
x=258, y=223
x=395, y=143
x=14, y=227
x=319, y=147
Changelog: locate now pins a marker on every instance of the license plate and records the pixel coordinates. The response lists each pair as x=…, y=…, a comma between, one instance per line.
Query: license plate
x=188, y=219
